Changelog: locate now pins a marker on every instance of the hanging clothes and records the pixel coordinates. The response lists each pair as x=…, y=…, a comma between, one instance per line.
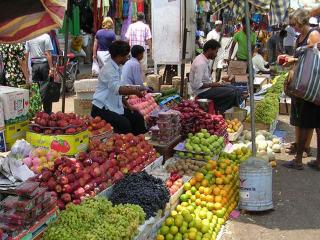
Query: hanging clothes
x=105, y=7
x=127, y=21
x=140, y=5
x=74, y=22
x=125, y=9
x=118, y=7
x=134, y=10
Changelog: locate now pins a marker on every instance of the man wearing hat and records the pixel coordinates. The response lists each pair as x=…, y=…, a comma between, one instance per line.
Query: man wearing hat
x=139, y=33
x=215, y=34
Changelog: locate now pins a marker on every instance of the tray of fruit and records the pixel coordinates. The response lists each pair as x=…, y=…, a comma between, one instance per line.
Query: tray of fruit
x=234, y=129
x=202, y=143
x=98, y=128
x=57, y=123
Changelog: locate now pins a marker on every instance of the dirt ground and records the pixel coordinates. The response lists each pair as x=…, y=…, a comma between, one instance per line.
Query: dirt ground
x=296, y=199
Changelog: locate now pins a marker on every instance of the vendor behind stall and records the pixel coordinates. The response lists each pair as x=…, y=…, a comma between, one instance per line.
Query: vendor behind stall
x=107, y=99
x=224, y=96
x=132, y=73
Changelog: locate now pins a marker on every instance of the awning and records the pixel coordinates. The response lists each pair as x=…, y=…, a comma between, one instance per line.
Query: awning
x=25, y=19
x=277, y=9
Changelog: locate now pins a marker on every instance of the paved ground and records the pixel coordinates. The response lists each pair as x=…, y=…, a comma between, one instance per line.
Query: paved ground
x=296, y=200
x=296, y=196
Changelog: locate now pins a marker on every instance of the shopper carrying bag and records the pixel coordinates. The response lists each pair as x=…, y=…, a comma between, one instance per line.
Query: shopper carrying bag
x=305, y=81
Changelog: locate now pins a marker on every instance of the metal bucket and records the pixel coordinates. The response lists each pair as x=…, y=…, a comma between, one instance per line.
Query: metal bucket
x=204, y=104
x=255, y=185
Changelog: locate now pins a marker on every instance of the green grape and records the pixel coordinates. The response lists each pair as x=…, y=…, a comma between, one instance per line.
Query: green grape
x=95, y=219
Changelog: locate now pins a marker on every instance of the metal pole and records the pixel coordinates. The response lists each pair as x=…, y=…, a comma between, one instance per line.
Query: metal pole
x=65, y=54
x=184, y=48
x=251, y=79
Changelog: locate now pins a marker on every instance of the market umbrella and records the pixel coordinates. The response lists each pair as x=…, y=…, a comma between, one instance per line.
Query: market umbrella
x=25, y=19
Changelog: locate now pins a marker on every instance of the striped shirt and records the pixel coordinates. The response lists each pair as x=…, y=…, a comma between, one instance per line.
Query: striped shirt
x=138, y=33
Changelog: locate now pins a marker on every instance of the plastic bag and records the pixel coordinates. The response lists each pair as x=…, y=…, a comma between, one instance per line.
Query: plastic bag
x=95, y=67
x=20, y=149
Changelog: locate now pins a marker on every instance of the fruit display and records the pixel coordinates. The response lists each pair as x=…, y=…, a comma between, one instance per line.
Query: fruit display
x=233, y=125
x=267, y=144
x=97, y=125
x=125, y=153
x=193, y=119
x=144, y=105
x=40, y=158
x=20, y=212
x=208, y=199
x=174, y=183
x=183, y=166
x=237, y=156
x=57, y=123
x=72, y=180
x=278, y=84
x=168, y=127
x=142, y=189
x=96, y=218
x=203, y=145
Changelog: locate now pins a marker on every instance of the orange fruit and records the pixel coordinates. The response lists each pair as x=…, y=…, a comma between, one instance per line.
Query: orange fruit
x=205, y=183
x=224, y=200
x=217, y=174
x=228, y=170
x=201, y=189
x=223, y=193
x=193, y=181
x=216, y=191
x=209, y=198
x=199, y=176
x=198, y=185
x=228, y=162
x=219, y=180
x=198, y=202
x=198, y=194
x=222, y=165
x=207, y=191
x=218, y=199
x=203, y=197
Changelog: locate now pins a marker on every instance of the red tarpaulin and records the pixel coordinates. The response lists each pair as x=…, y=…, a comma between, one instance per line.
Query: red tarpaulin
x=25, y=19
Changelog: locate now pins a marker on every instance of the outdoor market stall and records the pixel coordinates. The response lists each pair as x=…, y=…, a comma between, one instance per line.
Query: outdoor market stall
x=76, y=158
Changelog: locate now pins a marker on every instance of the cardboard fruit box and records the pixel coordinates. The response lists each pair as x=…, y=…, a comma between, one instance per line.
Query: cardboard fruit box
x=15, y=131
x=66, y=144
x=15, y=102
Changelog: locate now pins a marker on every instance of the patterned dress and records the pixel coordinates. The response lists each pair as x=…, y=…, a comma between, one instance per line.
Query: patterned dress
x=10, y=54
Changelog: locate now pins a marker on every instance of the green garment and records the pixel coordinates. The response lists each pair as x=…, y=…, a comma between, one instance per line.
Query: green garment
x=74, y=22
x=241, y=39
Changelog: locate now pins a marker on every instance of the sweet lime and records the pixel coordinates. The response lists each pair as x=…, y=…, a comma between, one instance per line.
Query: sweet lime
x=169, y=221
x=164, y=230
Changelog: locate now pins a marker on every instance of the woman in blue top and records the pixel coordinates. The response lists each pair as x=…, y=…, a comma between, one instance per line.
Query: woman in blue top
x=104, y=38
x=107, y=99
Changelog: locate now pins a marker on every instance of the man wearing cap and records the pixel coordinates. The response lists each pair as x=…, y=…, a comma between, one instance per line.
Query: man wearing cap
x=139, y=33
x=216, y=35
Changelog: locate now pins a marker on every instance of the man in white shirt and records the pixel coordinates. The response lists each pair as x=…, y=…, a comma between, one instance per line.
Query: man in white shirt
x=259, y=64
x=139, y=33
x=39, y=49
x=216, y=35
x=224, y=96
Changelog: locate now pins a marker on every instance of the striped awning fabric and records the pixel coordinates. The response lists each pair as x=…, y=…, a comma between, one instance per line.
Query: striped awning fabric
x=277, y=9
x=25, y=19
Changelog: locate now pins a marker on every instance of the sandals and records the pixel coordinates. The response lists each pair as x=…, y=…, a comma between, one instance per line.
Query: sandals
x=314, y=165
x=293, y=165
x=292, y=149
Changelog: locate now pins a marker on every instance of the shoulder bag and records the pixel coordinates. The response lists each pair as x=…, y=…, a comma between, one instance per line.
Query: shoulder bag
x=304, y=80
